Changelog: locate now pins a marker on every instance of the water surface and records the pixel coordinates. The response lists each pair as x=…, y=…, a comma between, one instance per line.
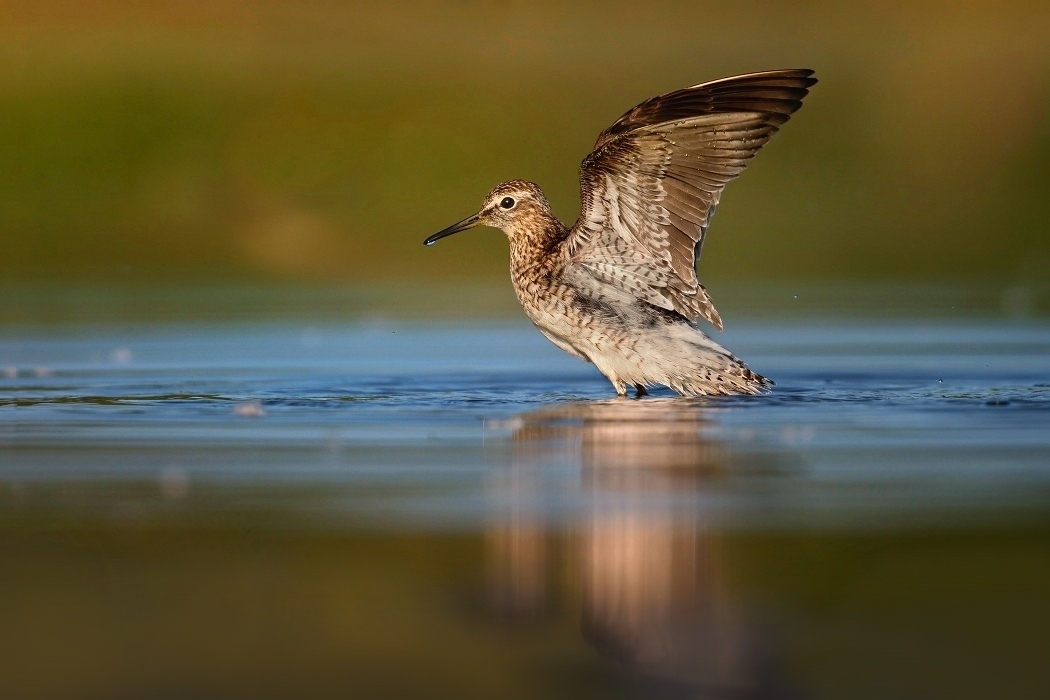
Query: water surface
x=293, y=510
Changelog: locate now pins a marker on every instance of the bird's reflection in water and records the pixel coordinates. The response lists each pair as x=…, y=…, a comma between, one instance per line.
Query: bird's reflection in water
x=652, y=578
x=517, y=549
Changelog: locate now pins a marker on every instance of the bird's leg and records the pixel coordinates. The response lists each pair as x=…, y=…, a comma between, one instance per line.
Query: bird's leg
x=621, y=387
x=640, y=391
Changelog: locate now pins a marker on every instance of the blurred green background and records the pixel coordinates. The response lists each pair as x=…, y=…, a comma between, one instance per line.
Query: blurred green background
x=290, y=142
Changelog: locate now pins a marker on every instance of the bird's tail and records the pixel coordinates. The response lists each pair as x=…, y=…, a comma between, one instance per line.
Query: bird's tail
x=682, y=357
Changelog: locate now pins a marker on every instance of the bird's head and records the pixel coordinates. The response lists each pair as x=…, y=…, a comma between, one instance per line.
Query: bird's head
x=514, y=207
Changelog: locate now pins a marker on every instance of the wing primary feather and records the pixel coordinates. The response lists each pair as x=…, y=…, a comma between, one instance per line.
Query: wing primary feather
x=654, y=178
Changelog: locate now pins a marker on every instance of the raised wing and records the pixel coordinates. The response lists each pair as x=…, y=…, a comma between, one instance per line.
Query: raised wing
x=651, y=184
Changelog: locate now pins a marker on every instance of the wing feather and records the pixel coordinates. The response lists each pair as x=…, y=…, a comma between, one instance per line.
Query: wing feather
x=652, y=182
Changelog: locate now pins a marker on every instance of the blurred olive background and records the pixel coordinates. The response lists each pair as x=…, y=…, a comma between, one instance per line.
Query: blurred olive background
x=310, y=142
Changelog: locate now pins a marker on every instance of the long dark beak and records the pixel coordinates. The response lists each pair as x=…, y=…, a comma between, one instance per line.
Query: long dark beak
x=469, y=222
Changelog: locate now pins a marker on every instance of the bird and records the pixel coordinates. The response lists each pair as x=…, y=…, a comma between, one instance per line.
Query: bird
x=619, y=287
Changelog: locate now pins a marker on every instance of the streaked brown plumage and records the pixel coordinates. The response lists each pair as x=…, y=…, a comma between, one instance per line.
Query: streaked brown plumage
x=619, y=287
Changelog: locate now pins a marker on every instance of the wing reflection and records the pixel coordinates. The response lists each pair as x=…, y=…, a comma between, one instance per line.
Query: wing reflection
x=652, y=578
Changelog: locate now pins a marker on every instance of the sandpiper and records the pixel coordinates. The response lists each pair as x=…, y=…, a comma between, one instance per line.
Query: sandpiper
x=619, y=287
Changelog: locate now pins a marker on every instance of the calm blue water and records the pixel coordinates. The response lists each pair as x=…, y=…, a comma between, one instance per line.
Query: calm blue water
x=282, y=510
x=931, y=420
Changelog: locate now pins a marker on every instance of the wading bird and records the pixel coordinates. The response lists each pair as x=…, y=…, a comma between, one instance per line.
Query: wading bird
x=619, y=288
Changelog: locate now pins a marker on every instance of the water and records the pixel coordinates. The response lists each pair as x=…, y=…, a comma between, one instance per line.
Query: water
x=283, y=510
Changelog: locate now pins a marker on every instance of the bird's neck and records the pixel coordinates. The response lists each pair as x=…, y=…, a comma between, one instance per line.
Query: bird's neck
x=536, y=242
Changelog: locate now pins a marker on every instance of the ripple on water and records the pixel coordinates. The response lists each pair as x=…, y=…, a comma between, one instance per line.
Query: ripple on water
x=862, y=418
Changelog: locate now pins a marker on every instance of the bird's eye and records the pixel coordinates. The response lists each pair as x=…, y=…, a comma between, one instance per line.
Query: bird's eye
x=507, y=203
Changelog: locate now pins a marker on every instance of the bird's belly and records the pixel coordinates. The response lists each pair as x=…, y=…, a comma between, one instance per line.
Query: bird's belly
x=564, y=344
x=587, y=322
x=580, y=328
x=557, y=327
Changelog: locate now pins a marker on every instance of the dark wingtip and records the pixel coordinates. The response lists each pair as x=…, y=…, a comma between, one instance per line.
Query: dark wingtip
x=778, y=93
